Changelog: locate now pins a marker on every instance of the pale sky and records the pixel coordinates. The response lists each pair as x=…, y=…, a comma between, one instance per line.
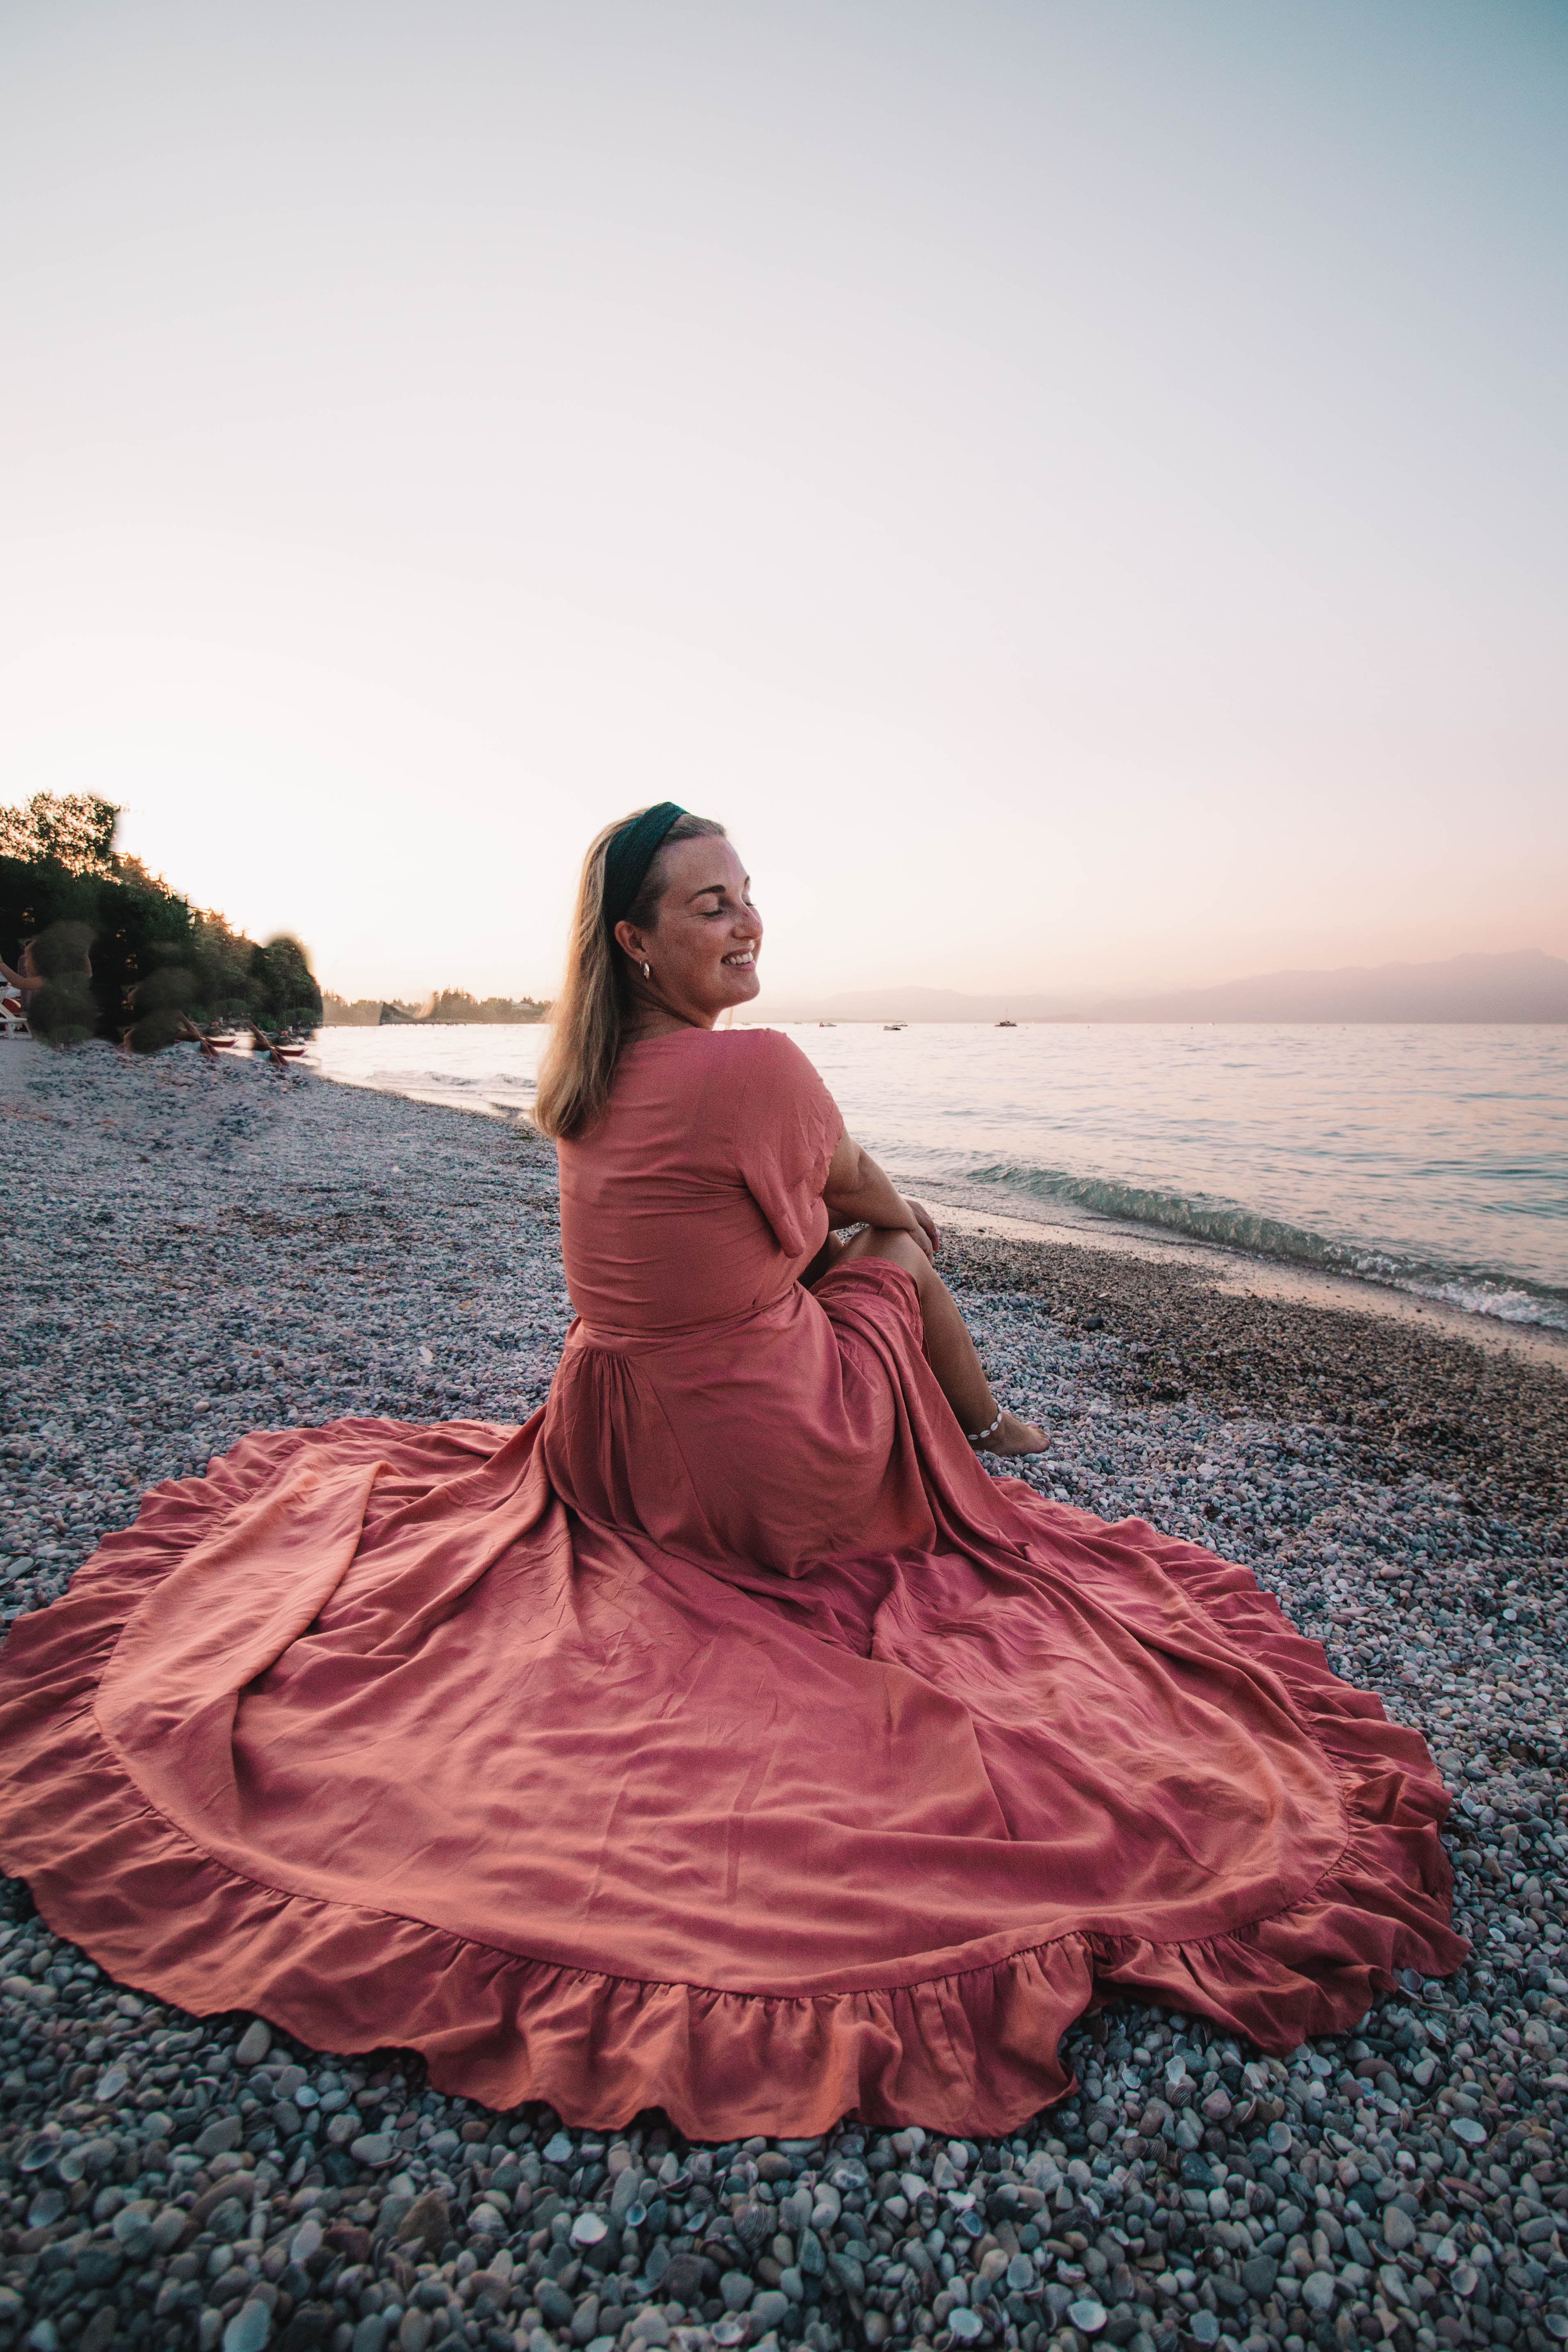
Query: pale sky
x=1077, y=489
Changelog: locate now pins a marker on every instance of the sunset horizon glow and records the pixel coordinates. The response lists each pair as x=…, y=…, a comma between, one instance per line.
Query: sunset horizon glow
x=1077, y=492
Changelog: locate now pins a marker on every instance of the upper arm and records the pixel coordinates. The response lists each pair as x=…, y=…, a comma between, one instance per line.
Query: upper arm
x=787, y=1133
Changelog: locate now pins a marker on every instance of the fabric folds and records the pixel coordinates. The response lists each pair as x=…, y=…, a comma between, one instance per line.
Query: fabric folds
x=725, y=1739
x=962, y=2039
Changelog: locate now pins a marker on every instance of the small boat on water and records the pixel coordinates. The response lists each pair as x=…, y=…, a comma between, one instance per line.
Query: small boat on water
x=1005, y=1024
x=895, y=1024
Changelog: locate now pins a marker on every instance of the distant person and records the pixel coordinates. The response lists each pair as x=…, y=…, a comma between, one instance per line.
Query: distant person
x=54, y=984
x=725, y=1740
x=28, y=980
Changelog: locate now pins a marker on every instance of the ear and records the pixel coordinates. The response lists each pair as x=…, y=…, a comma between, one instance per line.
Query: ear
x=629, y=937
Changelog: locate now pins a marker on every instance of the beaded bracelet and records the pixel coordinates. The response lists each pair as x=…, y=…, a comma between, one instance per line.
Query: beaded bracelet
x=980, y=1436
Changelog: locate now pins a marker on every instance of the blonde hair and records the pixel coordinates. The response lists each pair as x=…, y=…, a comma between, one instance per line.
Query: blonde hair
x=588, y=1017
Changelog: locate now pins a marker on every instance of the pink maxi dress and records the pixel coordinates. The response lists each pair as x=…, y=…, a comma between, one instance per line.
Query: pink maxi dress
x=724, y=1740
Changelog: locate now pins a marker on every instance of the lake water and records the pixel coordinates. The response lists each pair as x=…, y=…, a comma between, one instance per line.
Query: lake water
x=1433, y=1157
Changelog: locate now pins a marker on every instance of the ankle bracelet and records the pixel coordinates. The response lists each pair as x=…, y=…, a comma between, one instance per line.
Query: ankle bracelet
x=980, y=1436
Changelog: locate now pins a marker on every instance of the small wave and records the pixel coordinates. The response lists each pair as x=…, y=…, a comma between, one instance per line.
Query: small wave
x=1475, y=1290
x=1510, y=1304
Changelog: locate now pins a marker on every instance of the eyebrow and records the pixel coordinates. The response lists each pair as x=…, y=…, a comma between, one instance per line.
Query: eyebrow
x=720, y=889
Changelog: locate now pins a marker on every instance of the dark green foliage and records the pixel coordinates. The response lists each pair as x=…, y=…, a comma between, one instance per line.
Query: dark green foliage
x=118, y=927
x=161, y=999
x=65, y=1011
x=124, y=955
x=60, y=953
x=284, y=992
x=142, y=930
x=220, y=967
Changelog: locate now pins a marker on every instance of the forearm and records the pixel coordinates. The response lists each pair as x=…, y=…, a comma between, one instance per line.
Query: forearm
x=858, y=1194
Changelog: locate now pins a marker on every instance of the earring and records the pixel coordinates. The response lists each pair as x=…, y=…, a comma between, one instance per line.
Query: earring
x=646, y=972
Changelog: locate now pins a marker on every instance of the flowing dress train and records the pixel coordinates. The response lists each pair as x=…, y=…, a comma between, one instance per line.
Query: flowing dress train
x=724, y=1740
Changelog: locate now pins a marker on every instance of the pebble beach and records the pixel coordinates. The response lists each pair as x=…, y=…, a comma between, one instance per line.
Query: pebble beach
x=195, y=1251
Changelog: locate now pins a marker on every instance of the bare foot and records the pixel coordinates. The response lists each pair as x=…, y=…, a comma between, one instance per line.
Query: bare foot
x=1016, y=1437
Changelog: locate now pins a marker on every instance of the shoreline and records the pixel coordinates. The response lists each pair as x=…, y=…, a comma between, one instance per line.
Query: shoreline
x=1268, y=1275
x=1415, y=1396
x=1124, y=1231
x=1232, y=1268
x=197, y=1252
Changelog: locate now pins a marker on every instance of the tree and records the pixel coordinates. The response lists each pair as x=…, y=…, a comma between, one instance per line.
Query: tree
x=74, y=831
x=338, y=1012
x=65, y=1010
x=122, y=954
x=285, y=991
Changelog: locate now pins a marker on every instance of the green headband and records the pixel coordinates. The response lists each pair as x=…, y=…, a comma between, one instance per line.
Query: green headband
x=630, y=854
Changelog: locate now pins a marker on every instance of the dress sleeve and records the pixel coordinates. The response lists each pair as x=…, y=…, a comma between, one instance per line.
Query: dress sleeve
x=786, y=1128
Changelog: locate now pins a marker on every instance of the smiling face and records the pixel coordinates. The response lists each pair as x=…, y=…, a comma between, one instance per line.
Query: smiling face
x=703, y=949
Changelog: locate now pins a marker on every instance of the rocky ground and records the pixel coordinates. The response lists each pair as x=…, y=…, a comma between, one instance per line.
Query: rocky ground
x=191, y=1253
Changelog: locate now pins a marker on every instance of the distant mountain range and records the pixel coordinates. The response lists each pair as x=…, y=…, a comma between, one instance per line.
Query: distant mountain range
x=1527, y=985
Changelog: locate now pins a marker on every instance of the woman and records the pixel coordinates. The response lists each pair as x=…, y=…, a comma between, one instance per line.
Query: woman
x=726, y=1739
x=700, y=1172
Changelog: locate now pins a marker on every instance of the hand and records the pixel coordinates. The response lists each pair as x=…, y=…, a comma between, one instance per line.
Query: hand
x=926, y=1232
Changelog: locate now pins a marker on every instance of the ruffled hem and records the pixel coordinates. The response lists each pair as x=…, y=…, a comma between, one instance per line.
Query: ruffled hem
x=969, y=2049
